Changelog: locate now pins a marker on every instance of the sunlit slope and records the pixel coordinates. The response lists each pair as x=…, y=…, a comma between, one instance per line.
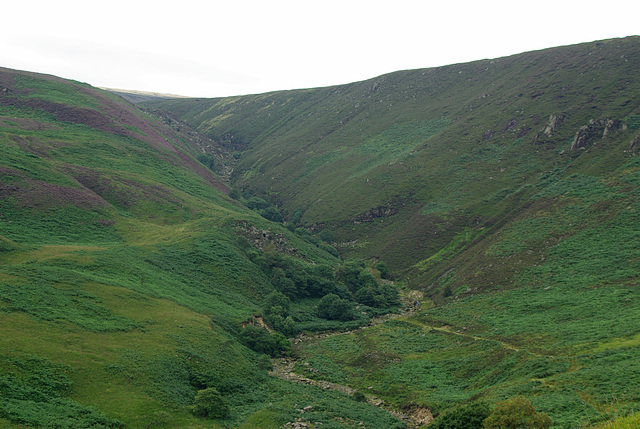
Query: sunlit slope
x=126, y=273
x=406, y=162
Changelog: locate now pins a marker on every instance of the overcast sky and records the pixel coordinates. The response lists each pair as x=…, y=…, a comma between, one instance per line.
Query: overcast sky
x=234, y=47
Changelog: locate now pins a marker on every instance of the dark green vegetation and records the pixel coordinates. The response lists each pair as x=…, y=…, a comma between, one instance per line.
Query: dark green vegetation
x=129, y=281
x=506, y=190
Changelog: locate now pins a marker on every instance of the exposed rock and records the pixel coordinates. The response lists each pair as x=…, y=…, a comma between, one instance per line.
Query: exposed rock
x=383, y=211
x=633, y=146
x=547, y=131
x=595, y=129
x=298, y=424
x=421, y=415
x=262, y=238
x=554, y=121
x=257, y=321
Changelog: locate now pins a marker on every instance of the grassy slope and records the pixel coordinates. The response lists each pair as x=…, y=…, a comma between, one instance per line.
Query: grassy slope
x=521, y=241
x=121, y=278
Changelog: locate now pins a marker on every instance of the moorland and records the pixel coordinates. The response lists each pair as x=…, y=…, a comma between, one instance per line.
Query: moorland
x=424, y=247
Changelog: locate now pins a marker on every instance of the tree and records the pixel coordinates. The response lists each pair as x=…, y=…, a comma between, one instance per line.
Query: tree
x=296, y=216
x=271, y=213
x=235, y=193
x=256, y=203
x=332, y=307
x=382, y=269
x=276, y=303
x=209, y=403
x=517, y=413
x=465, y=416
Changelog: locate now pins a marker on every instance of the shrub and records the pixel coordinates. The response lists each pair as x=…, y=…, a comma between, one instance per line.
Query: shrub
x=517, y=413
x=465, y=416
x=332, y=307
x=382, y=269
x=256, y=203
x=209, y=403
x=271, y=213
x=235, y=194
x=360, y=397
x=276, y=303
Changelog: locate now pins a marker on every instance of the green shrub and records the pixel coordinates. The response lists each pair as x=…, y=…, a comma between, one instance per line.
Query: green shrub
x=276, y=303
x=332, y=307
x=517, y=413
x=465, y=416
x=382, y=269
x=271, y=213
x=360, y=397
x=209, y=403
x=261, y=341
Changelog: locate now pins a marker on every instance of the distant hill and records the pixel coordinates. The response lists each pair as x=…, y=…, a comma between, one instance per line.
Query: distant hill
x=140, y=96
x=505, y=190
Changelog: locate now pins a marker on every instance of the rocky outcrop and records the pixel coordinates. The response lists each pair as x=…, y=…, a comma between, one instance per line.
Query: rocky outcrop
x=635, y=143
x=595, y=130
x=546, y=132
x=554, y=121
x=383, y=211
x=262, y=239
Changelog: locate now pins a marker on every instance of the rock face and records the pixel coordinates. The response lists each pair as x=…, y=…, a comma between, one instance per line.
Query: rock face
x=382, y=211
x=554, y=121
x=261, y=238
x=633, y=146
x=546, y=132
x=596, y=129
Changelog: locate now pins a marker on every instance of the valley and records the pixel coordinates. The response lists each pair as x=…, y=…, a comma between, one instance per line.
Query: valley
x=422, y=248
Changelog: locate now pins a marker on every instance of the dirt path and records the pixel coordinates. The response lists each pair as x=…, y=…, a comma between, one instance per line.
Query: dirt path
x=283, y=368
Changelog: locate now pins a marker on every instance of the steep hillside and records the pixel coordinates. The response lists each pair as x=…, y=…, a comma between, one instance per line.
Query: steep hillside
x=442, y=150
x=505, y=190
x=133, y=291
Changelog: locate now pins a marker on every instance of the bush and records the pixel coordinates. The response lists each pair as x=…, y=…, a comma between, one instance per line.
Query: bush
x=272, y=214
x=517, y=413
x=261, y=341
x=360, y=397
x=256, y=203
x=465, y=416
x=209, y=403
x=235, y=193
x=382, y=269
x=332, y=307
x=276, y=303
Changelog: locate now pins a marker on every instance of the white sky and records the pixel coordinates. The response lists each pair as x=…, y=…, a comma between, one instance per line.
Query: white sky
x=233, y=47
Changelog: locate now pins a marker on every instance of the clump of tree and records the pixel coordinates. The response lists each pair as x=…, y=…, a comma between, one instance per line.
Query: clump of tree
x=332, y=307
x=209, y=403
x=260, y=340
x=276, y=313
x=257, y=204
x=338, y=291
x=209, y=161
x=365, y=288
x=382, y=269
